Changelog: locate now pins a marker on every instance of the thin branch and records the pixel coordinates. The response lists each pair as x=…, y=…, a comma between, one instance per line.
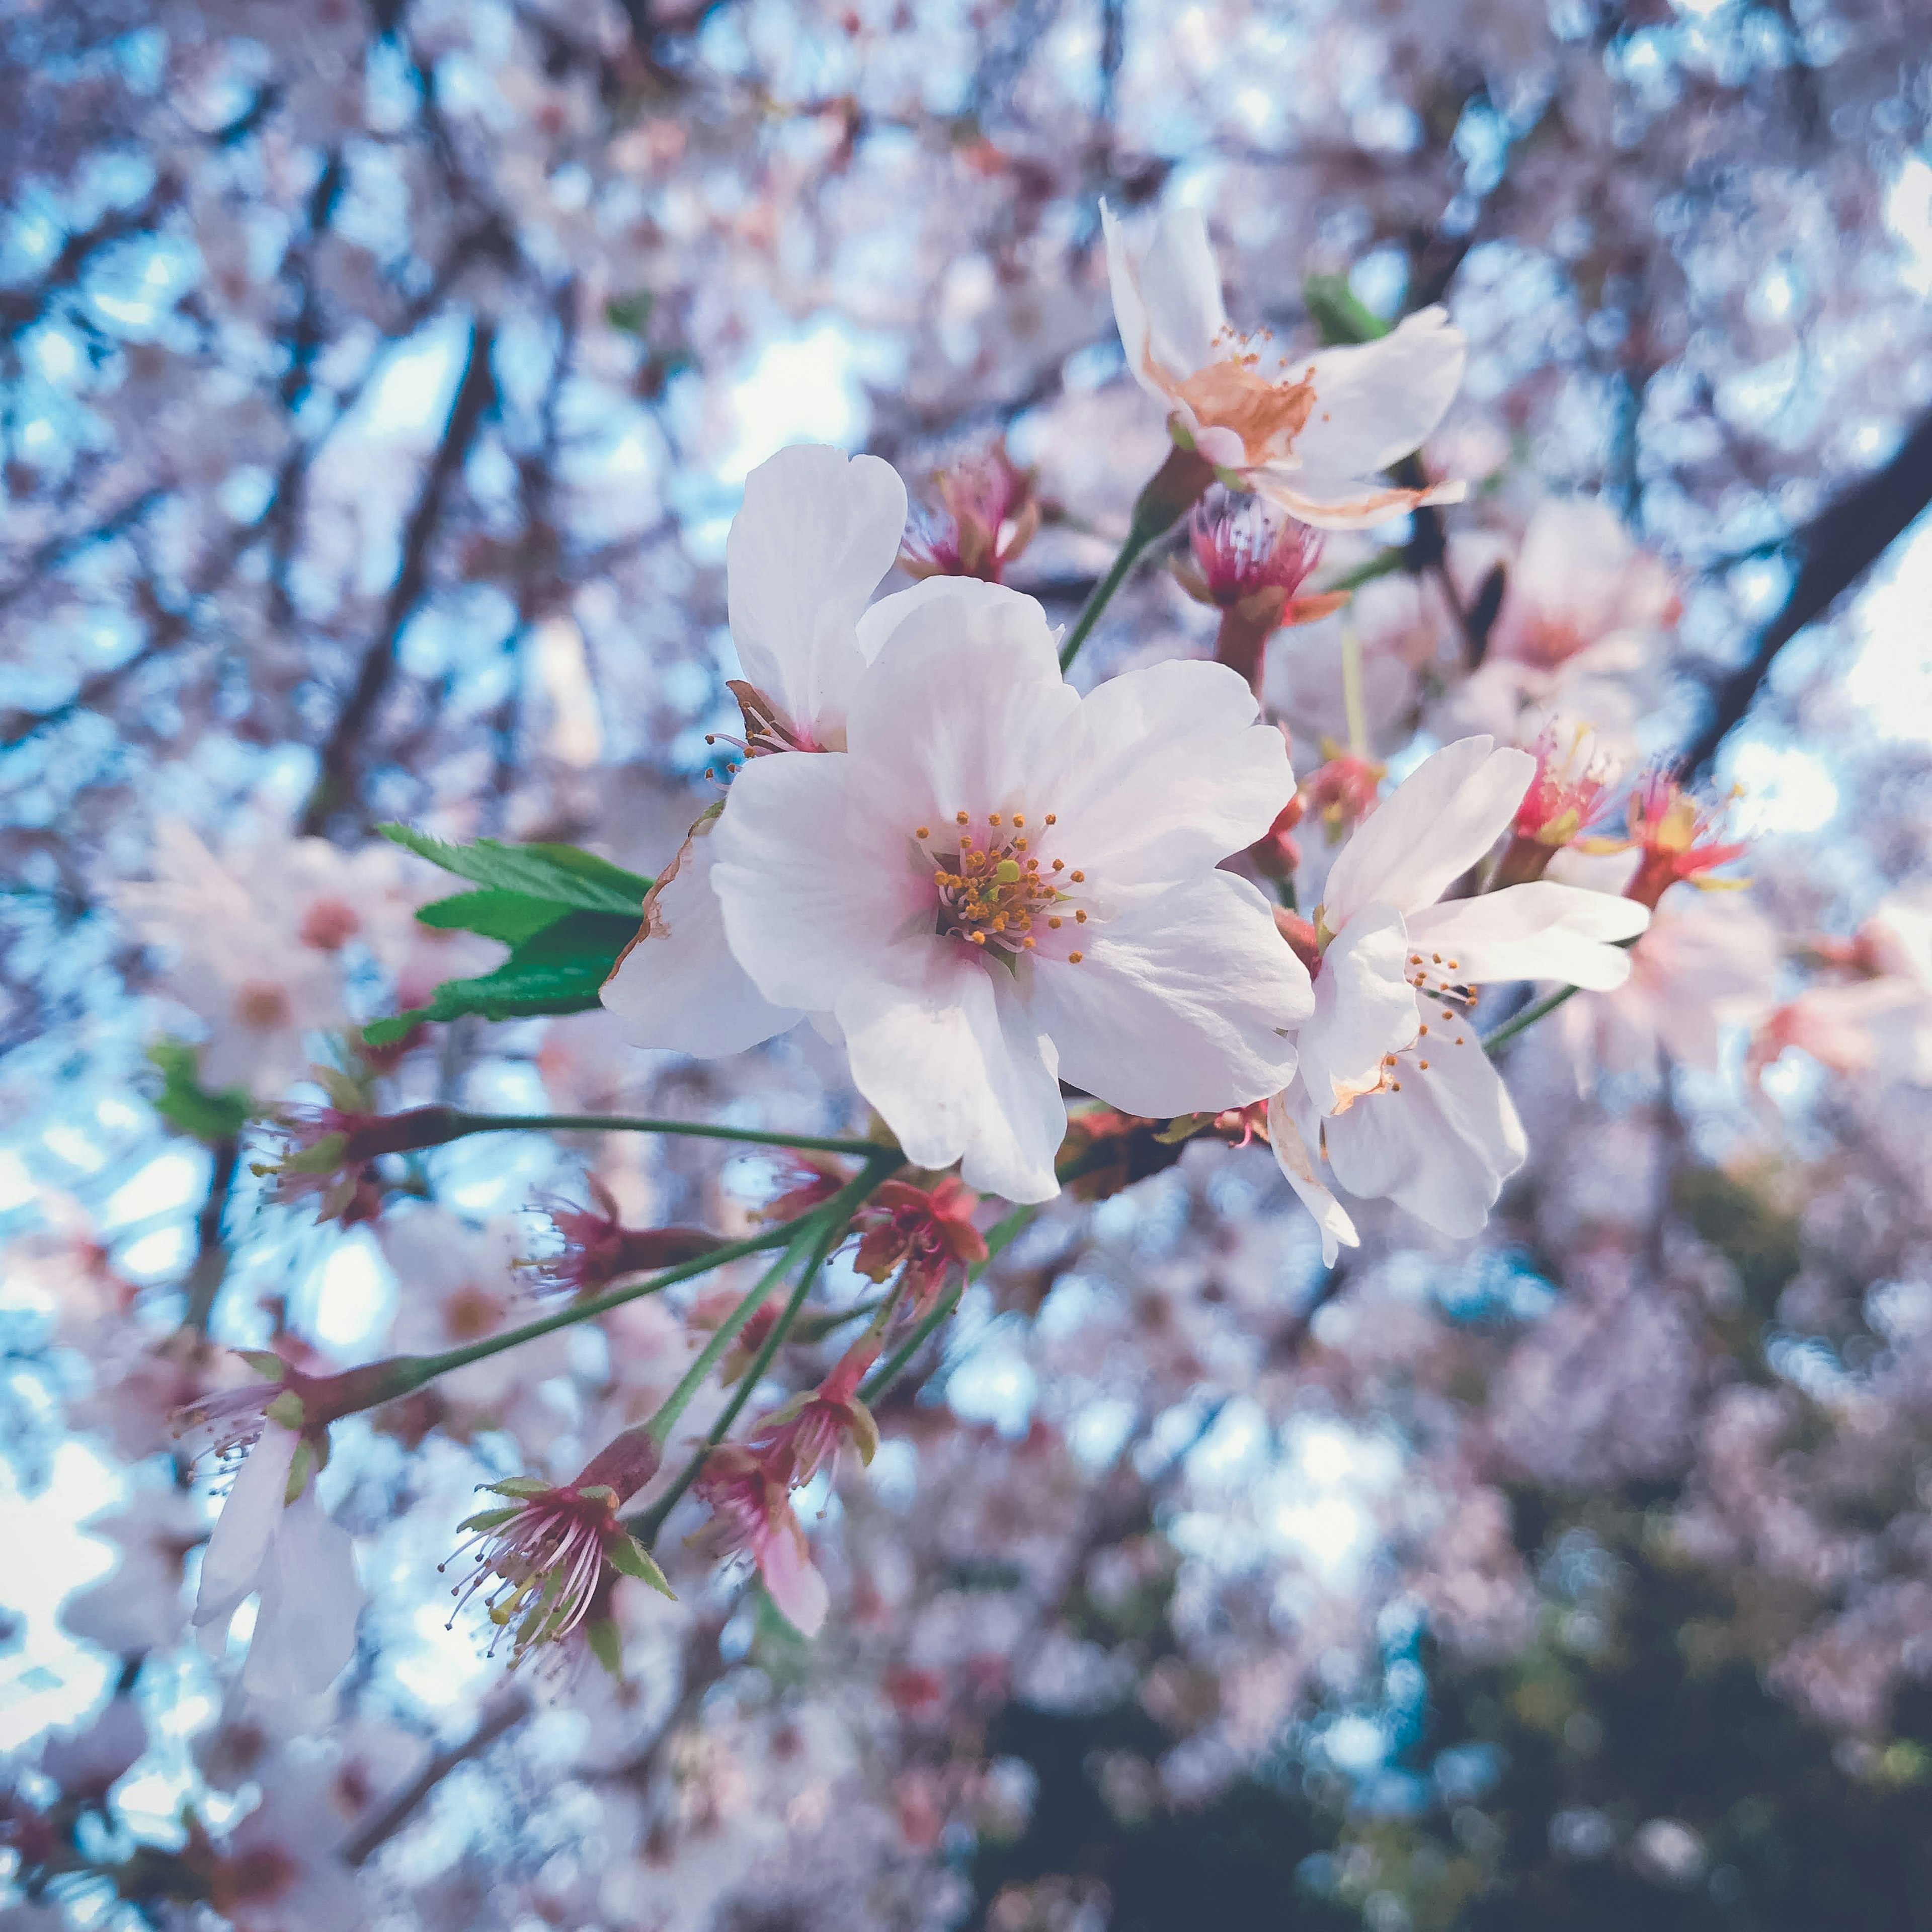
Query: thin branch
x=1834, y=550
x=507, y=1711
x=340, y=755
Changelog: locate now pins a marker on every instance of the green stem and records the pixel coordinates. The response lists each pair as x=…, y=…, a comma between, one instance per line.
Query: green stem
x=1385, y=565
x=427, y=1368
x=1524, y=1020
x=673, y=1406
x=635, y=1124
x=834, y=1214
x=1173, y=490
x=1352, y=689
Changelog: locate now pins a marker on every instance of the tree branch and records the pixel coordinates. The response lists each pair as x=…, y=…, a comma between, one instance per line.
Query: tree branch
x=1834, y=550
x=335, y=783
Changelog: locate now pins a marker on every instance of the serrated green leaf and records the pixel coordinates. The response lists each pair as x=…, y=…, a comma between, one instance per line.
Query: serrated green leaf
x=1339, y=312
x=287, y=1409
x=557, y=970
x=563, y=873
x=188, y=1105
x=518, y=1486
x=265, y=1363
x=606, y=1645
x=629, y=1558
x=489, y=1519
x=511, y=917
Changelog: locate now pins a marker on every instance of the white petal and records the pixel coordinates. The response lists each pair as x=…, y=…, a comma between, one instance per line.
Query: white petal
x=1441, y=1147
x=818, y=531
x=1375, y=403
x=1364, y=1008
x=1435, y=826
x=957, y=1074
x=1169, y=774
x=310, y=1600
x=1541, y=931
x=1167, y=297
x=679, y=986
x=231, y=1565
x=1343, y=503
x=1183, y=1006
x=965, y=707
x=809, y=898
x=1292, y=1157
x=882, y=621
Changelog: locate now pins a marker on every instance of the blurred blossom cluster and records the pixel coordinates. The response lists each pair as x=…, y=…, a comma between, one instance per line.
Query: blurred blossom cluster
x=965, y=965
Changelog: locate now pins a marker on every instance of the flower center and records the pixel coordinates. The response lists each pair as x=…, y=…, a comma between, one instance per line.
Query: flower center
x=1267, y=415
x=261, y=1006
x=999, y=888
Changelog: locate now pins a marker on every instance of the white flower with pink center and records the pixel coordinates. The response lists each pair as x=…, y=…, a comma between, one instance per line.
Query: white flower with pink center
x=1394, y=1089
x=1000, y=884
x=1312, y=433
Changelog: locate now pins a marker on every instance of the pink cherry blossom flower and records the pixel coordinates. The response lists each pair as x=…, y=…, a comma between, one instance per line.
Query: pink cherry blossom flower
x=928, y=1232
x=1001, y=884
x=1312, y=435
x=990, y=514
x=1394, y=1088
x=752, y=1509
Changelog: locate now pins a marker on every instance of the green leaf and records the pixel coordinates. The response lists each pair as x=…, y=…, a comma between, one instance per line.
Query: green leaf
x=519, y=1486
x=629, y=313
x=559, y=970
x=185, y=1104
x=269, y=1366
x=489, y=1519
x=563, y=873
x=629, y=1558
x=497, y=914
x=1339, y=312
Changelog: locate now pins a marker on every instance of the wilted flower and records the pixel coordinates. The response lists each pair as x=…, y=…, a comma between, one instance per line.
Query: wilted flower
x=326, y=1154
x=546, y=1559
x=1250, y=563
x=1678, y=839
x=990, y=515
x=599, y=1249
x=1564, y=797
x=751, y=1506
x=928, y=1231
x=1313, y=436
x=797, y=1440
x=1343, y=788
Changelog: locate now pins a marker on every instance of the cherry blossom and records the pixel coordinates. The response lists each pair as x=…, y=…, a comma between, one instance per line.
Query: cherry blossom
x=273, y=1537
x=1001, y=883
x=750, y=1508
x=1312, y=435
x=1394, y=1086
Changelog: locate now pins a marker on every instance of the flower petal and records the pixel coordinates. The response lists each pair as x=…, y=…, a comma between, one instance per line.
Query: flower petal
x=1292, y=1157
x=1376, y=401
x=806, y=902
x=678, y=984
x=958, y=1072
x=1169, y=774
x=818, y=531
x=1430, y=830
x=231, y=1567
x=1167, y=296
x=1542, y=930
x=1186, y=1006
x=785, y=1565
x=964, y=711
x=310, y=1600
x=1345, y=503
x=1364, y=1008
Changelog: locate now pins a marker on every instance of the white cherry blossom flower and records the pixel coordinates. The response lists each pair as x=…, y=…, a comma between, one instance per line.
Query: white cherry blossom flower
x=818, y=531
x=1000, y=884
x=1394, y=1088
x=1312, y=434
x=301, y=1562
